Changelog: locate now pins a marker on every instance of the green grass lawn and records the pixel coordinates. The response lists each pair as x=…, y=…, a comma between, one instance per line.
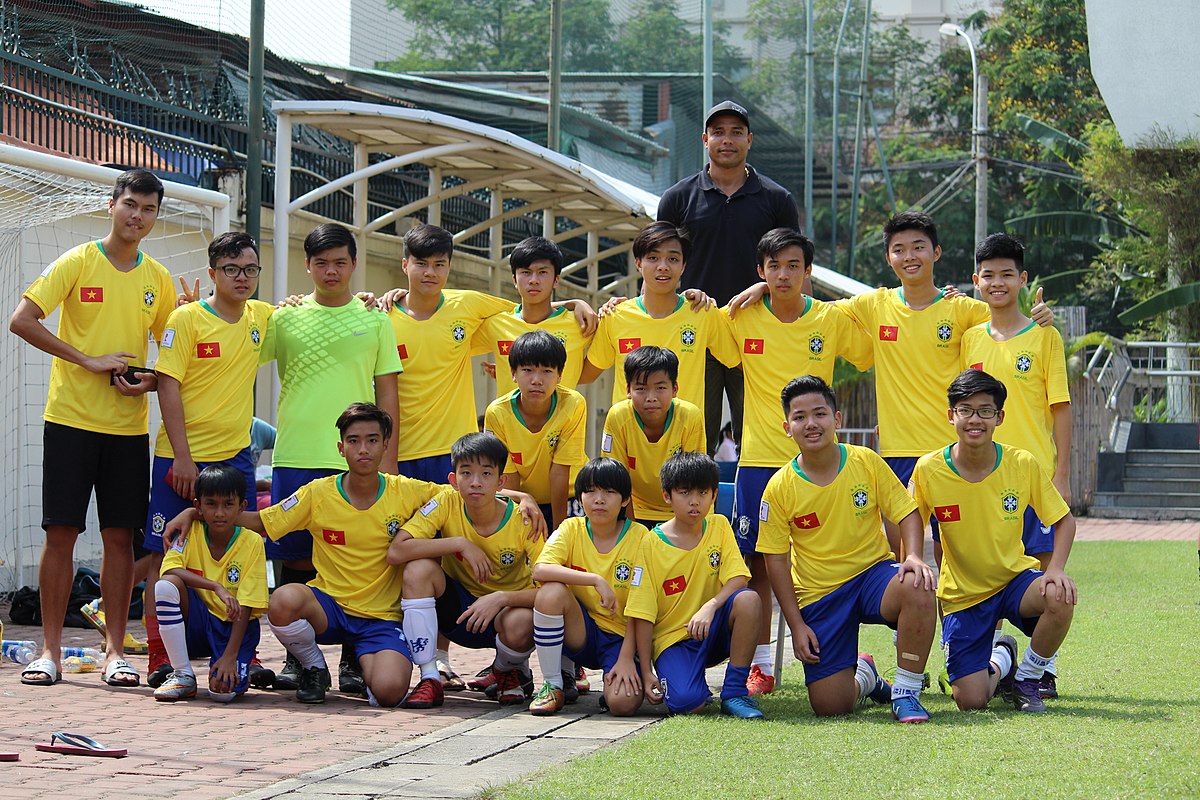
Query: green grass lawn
x=1127, y=723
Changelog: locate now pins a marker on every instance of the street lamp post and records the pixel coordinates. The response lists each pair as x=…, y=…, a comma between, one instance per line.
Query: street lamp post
x=979, y=117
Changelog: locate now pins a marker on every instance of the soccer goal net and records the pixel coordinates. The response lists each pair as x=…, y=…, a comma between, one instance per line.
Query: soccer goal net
x=47, y=206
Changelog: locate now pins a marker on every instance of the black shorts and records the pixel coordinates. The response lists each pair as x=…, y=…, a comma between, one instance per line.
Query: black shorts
x=75, y=461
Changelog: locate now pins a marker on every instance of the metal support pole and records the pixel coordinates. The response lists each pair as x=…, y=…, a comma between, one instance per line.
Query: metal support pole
x=887, y=175
x=254, y=123
x=553, y=132
x=809, y=110
x=858, y=129
x=981, y=158
x=837, y=91
x=358, y=281
x=283, y=199
x=435, y=186
x=548, y=224
x=495, y=243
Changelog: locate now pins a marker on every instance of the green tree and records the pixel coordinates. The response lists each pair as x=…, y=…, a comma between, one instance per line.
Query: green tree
x=502, y=35
x=656, y=39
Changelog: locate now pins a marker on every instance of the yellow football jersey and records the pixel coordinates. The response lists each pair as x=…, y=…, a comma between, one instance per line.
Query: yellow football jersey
x=510, y=549
x=498, y=333
x=530, y=454
x=916, y=358
x=625, y=440
x=670, y=584
x=571, y=546
x=772, y=353
x=104, y=311
x=437, y=393
x=350, y=546
x=242, y=570
x=1033, y=367
x=215, y=363
x=833, y=532
x=981, y=523
x=686, y=333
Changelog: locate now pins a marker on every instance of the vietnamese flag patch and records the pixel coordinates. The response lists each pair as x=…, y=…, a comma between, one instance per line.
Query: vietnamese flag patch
x=629, y=345
x=889, y=333
x=516, y=457
x=807, y=521
x=753, y=346
x=91, y=294
x=333, y=537
x=504, y=347
x=632, y=462
x=674, y=585
x=978, y=366
x=402, y=351
x=208, y=350
x=946, y=513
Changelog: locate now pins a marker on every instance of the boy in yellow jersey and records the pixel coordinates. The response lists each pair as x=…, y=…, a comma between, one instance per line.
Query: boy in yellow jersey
x=536, y=263
x=789, y=333
x=689, y=600
x=659, y=317
x=542, y=424
x=585, y=571
x=96, y=437
x=822, y=512
x=330, y=351
x=212, y=591
x=979, y=490
x=1030, y=362
x=466, y=559
x=354, y=597
x=206, y=368
x=645, y=430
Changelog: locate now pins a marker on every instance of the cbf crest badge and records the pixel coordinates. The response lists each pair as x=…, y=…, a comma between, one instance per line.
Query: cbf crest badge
x=816, y=344
x=945, y=330
x=860, y=497
x=1024, y=362
x=687, y=336
x=1010, y=501
x=233, y=574
x=458, y=330
x=392, y=526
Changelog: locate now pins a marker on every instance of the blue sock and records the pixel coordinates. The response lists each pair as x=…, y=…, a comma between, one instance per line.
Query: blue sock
x=735, y=682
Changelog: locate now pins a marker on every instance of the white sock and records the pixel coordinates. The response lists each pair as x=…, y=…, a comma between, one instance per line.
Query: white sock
x=1032, y=666
x=865, y=677
x=420, y=628
x=548, y=632
x=762, y=659
x=1002, y=659
x=170, y=626
x=300, y=640
x=507, y=658
x=1052, y=665
x=907, y=683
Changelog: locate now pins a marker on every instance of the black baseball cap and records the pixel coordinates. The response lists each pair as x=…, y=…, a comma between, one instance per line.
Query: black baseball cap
x=727, y=107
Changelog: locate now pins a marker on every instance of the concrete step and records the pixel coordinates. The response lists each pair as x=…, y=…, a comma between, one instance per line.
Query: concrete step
x=1164, y=484
x=1161, y=457
x=1154, y=471
x=1143, y=513
x=1146, y=500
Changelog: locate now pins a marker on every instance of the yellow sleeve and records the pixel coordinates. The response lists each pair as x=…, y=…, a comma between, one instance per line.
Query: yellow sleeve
x=178, y=342
x=1057, y=388
x=165, y=307
x=894, y=500
x=612, y=443
x=642, y=602
x=533, y=548
x=855, y=345
x=694, y=438
x=291, y=514
x=773, y=534
x=252, y=590
x=56, y=282
x=481, y=307
x=859, y=309
x=494, y=421
x=1045, y=499
x=483, y=339
x=602, y=353
x=432, y=517
x=917, y=487
x=730, y=331
x=557, y=549
x=720, y=340
x=732, y=564
x=978, y=312
x=571, y=442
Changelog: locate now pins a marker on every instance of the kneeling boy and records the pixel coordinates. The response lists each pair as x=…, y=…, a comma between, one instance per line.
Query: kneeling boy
x=979, y=490
x=689, y=598
x=465, y=560
x=212, y=590
x=824, y=509
x=585, y=571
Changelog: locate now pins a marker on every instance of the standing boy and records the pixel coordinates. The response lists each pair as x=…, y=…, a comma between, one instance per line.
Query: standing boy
x=330, y=351
x=649, y=427
x=689, y=598
x=96, y=435
x=542, y=424
x=212, y=591
x=536, y=263
x=466, y=559
x=822, y=512
x=1030, y=362
x=206, y=369
x=659, y=317
x=789, y=333
x=978, y=490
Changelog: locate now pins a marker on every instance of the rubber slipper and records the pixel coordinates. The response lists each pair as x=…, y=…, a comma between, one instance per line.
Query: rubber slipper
x=41, y=666
x=75, y=744
x=119, y=666
x=10, y=756
x=451, y=680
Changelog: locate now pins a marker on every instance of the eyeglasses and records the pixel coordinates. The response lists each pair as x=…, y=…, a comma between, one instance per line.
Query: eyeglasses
x=966, y=412
x=232, y=272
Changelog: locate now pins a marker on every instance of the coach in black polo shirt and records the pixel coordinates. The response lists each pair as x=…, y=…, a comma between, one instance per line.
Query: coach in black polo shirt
x=726, y=208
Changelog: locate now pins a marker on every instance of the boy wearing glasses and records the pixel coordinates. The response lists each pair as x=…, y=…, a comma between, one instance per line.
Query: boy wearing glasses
x=979, y=490
x=206, y=367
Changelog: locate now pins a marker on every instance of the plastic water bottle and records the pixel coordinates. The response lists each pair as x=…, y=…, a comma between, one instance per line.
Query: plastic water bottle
x=21, y=652
x=79, y=664
x=80, y=652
